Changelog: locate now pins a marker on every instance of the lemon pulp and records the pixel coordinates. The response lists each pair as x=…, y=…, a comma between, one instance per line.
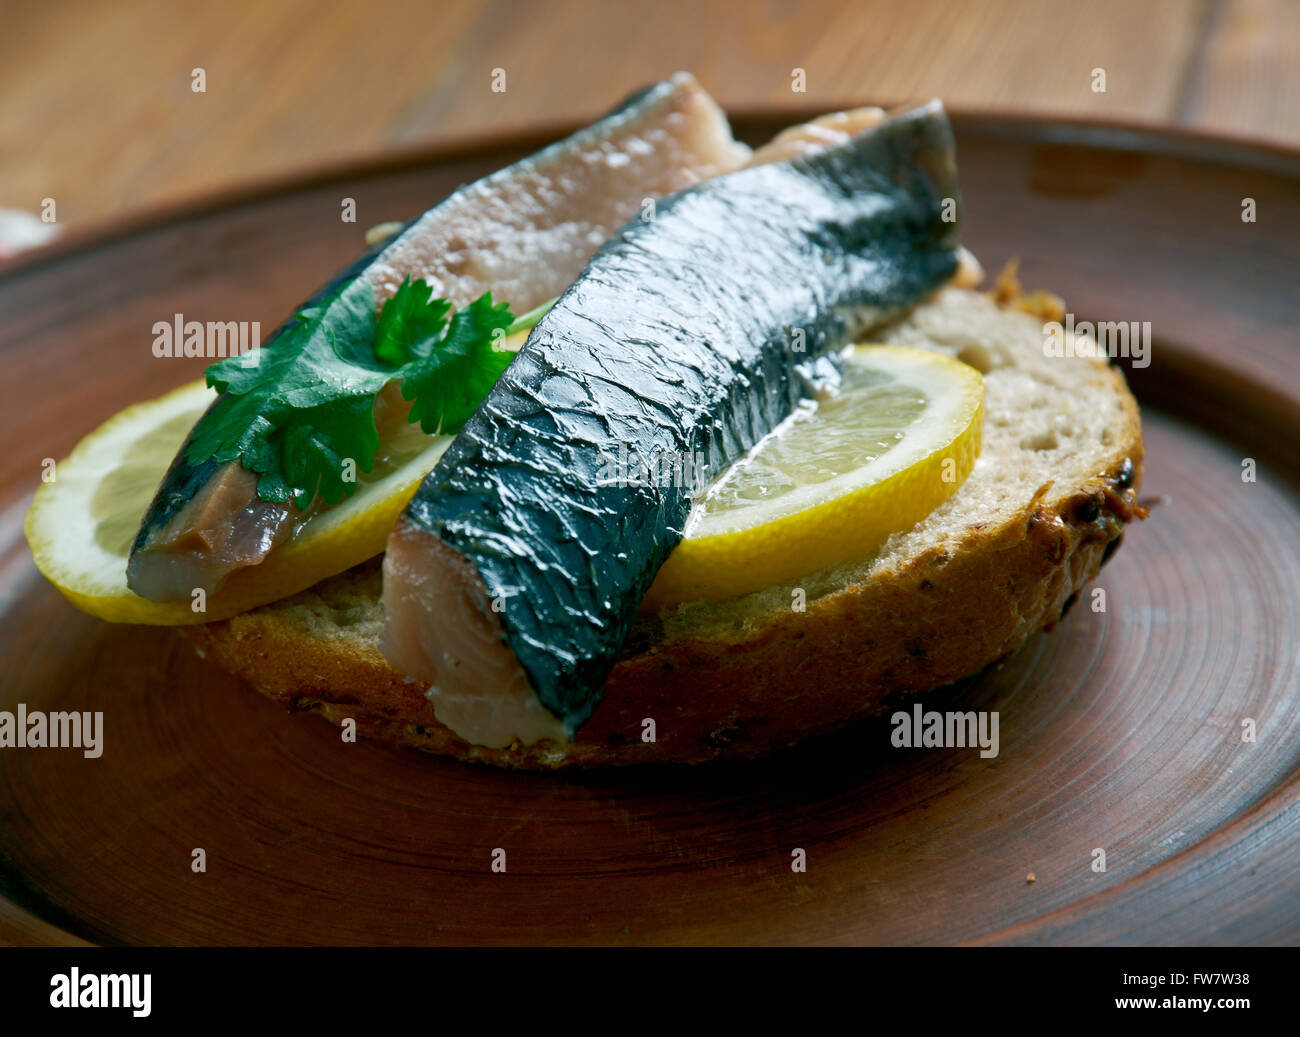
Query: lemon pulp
x=896, y=438
x=81, y=525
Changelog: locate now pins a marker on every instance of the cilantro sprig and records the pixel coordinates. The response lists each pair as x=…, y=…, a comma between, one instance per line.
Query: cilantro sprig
x=297, y=409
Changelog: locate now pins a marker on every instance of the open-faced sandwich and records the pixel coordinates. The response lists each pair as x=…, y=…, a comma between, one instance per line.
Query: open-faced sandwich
x=647, y=448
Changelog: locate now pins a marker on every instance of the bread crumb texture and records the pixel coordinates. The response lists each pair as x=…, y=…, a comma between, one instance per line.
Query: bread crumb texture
x=1055, y=484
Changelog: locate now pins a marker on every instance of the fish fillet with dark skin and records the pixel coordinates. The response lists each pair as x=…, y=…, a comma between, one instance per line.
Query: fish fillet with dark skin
x=513, y=577
x=523, y=233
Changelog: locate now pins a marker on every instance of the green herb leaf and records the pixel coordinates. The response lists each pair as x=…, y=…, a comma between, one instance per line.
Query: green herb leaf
x=449, y=381
x=411, y=324
x=294, y=410
x=297, y=409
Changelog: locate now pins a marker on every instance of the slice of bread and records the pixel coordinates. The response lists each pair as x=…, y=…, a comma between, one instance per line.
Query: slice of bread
x=1001, y=559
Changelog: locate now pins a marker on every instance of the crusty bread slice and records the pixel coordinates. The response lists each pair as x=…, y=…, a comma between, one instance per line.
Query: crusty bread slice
x=1003, y=558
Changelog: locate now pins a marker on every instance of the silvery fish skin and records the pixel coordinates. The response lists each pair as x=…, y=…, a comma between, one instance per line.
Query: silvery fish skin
x=523, y=233
x=515, y=573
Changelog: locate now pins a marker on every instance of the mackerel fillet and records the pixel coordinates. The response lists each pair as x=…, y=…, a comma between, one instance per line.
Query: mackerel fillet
x=513, y=577
x=523, y=233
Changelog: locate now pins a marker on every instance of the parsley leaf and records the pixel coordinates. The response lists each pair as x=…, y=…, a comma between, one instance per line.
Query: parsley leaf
x=297, y=409
x=410, y=323
x=447, y=383
x=294, y=410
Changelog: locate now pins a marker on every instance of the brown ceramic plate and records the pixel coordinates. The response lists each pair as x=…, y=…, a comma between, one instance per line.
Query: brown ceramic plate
x=1121, y=730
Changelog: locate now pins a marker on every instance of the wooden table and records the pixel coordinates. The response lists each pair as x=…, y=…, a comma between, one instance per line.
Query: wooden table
x=97, y=109
x=1120, y=727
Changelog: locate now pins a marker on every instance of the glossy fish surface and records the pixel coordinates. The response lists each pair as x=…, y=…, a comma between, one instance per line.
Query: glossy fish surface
x=522, y=233
x=516, y=571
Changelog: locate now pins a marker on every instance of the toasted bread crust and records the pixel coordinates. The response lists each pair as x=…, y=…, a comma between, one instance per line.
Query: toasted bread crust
x=781, y=675
x=798, y=674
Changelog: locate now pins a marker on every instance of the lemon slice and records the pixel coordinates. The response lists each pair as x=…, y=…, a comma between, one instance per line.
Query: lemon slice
x=893, y=442
x=81, y=525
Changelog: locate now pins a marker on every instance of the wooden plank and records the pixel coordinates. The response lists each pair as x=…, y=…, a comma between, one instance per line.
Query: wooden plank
x=96, y=108
x=1249, y=79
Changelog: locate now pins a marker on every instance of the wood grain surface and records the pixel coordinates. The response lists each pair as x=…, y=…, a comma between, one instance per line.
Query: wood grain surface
x=97, y=110
x=1120, y=730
